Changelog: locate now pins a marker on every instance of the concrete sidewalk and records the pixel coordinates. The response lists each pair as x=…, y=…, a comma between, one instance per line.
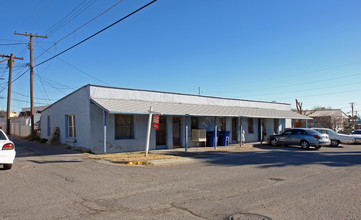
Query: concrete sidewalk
x=27, y=148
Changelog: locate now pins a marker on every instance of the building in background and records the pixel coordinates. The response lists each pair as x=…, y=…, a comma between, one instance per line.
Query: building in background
x=334, y=119
x=21, y=124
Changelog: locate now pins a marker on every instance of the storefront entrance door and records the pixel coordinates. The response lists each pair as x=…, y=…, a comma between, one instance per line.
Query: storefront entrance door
x=161, y=134
x=176, y=132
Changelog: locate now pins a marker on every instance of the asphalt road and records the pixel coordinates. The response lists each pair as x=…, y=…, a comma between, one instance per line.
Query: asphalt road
x=51, y=182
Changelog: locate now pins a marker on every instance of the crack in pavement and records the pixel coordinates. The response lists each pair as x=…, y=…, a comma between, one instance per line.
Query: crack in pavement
x=187, y=210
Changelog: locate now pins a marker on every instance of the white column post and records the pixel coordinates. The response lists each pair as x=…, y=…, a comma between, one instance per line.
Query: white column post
x=148, y=132
x=261, y=130
x=186, y=133
x=105, y=131
x=241, y=127
x=215, y=133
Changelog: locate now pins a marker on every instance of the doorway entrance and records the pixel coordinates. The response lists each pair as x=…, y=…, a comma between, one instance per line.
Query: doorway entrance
x=161, y=134
x=176, y=132
x=234, y=130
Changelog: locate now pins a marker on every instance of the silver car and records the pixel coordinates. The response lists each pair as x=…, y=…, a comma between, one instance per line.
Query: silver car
x=303, y=137
x=335, y=137
x=357, y=135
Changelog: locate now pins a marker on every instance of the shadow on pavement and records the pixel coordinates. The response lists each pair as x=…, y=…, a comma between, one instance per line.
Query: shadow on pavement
x=31, y=148
x=275, y=157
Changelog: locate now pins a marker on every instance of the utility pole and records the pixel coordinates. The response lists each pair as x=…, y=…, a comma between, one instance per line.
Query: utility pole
x=31, y=77
x=353, y=121
x=10, y=60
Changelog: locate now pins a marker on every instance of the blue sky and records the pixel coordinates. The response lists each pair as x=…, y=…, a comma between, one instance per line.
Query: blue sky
x=263, y=50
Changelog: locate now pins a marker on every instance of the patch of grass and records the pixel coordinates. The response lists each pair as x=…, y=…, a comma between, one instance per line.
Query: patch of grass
x=38, y=139
x=133, y=156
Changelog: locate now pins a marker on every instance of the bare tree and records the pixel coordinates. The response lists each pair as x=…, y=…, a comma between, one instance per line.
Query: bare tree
x=299, y=123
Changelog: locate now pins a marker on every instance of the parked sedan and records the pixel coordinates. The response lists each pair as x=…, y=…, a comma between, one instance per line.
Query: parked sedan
x=300, y=136
x=357, y=135
x=358, y=131
x=7, y=151
x=335, y=137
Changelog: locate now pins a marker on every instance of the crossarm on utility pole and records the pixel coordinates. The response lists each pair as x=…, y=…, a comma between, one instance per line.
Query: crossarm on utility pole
x=31, y=77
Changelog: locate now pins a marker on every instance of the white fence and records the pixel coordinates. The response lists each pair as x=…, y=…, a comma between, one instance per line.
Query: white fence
x=19, y=126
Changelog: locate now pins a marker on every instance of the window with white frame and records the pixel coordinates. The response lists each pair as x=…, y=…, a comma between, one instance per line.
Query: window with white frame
x=124, y=127
x=71, y=126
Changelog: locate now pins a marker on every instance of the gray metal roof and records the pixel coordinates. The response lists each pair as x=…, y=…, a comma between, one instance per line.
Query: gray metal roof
x=121, y=106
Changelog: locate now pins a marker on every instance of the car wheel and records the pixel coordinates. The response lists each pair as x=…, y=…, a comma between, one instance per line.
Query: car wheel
x=7, y=166
x=273, y=142
x=335, y=143
x=304, y=144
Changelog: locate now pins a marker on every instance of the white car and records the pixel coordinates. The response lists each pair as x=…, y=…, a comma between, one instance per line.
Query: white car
x=7, y=151
x=357, y=135
x=335, y=137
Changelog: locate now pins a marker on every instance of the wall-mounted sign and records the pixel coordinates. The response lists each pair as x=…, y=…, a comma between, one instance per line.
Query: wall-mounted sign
x=156, y=122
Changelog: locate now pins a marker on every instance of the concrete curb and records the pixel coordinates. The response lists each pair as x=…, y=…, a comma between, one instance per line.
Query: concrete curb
x=173, y=161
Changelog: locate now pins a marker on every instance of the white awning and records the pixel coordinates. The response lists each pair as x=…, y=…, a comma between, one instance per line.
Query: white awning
x=121, y=106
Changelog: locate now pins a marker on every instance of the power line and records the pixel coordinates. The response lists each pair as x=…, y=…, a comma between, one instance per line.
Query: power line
x=39, y=103
x=313, y=89
x=12, y=44
x=18, y=93
x=70, y=16
x=324, y=94
x=80, y=27
x=15, y=79
x=98, y=32
x=82, y=71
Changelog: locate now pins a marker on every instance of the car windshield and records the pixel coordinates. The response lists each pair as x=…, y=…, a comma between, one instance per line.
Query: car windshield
x=287, y=132
x=332, y=132
x=356, y=132
x=313, y=132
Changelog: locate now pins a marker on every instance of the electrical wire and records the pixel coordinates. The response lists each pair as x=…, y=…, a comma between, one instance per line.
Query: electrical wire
x=80, y=27
x=97, y=32
x=70, y=16
x=74, y=67
x=39, y=89
x=18, y=93
x=12, y=44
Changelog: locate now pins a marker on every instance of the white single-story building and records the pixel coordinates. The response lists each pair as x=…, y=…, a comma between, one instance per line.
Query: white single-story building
x=108, y=119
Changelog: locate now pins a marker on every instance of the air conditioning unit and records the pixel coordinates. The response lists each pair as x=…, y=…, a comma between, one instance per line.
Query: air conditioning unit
x=199, y=135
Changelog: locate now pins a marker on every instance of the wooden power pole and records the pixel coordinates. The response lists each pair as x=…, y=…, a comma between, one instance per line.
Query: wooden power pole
x=10, y=60
x=31, y=77
x=353, y=120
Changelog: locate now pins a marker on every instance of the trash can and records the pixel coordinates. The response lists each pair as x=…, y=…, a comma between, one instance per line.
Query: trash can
x=210, y=138
x=224, y=138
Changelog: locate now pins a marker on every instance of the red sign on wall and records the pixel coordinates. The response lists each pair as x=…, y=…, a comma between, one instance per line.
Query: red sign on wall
x=156, y=122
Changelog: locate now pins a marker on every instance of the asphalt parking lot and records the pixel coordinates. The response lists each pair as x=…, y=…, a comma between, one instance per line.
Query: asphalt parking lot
x=52, y=182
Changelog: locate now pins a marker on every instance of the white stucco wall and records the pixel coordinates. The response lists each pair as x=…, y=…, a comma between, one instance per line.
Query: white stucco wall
x=90, y=121
x=75, y=104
